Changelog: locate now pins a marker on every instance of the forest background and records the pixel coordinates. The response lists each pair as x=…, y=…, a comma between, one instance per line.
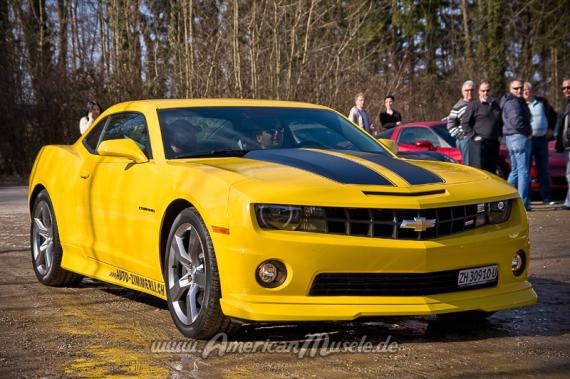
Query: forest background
x=55, y=55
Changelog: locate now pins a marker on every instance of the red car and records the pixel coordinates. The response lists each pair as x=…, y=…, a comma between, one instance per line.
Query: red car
x=433, y=135
x=428, y=135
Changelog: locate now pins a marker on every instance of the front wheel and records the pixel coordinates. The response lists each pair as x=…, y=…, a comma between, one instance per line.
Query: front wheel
x=46, y=248
x=192, y=281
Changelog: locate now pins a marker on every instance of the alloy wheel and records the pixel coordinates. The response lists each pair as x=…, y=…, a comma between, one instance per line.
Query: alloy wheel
x=42, y=238
x=186, y=273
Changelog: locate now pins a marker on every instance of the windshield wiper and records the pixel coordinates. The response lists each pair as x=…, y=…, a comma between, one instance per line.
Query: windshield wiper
x=214, y=154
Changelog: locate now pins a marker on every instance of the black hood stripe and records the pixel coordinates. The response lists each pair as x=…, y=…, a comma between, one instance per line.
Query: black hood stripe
x=411, y=173
x=330, y=166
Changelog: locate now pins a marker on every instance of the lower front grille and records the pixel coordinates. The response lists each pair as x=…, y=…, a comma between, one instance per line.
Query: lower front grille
x=372, y=284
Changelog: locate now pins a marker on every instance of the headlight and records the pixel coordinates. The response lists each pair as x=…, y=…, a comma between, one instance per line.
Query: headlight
x=493, y=213
x=499, y=211
x=291, y=217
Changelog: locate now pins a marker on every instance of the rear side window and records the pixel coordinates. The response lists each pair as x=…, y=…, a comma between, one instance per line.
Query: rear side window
x=92, y=140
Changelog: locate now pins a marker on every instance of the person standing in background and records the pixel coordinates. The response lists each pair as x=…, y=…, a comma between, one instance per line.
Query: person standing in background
x=391, y=117
x=542, y=122
x=482, y=124
x=359, y=115
x=93, y=110
x=562, y=134
x=518, y=133
x=454, y=120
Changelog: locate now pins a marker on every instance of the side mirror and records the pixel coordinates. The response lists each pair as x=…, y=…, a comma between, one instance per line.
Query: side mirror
x=425, y=144
x=389, y=144
x=125, y=148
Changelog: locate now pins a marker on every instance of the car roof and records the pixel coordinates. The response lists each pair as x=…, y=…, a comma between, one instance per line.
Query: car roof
x=180, y=103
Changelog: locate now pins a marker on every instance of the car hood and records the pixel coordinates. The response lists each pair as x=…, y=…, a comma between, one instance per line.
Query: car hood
x=325, y=177
x=308, y=174
x=335, y=168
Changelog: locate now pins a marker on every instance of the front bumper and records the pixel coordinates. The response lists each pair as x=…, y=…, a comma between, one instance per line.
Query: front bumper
x=350, y=308
x=306, y=255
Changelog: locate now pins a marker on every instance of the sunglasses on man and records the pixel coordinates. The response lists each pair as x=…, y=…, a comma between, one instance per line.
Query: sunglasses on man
x=273, y=131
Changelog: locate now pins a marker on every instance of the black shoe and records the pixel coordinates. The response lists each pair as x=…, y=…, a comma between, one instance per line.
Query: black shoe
x=565, y=208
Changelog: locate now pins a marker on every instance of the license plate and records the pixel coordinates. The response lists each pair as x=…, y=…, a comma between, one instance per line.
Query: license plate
x=476, y=276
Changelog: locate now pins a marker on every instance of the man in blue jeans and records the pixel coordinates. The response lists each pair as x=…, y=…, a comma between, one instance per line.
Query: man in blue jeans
x=542, y=122
x=518, y=133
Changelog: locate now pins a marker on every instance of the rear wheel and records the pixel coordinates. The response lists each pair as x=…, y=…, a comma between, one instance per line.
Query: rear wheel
x=46, y=248
x=192, y=280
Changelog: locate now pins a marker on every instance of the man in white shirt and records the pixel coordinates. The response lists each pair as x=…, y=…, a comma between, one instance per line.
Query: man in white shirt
x=542, y=121
x=359, y=115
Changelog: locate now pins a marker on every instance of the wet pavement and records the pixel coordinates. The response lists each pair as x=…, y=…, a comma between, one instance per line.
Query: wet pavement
x=96, y=329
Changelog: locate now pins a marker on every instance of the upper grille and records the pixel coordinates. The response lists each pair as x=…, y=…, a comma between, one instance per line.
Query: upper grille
x=385, y=223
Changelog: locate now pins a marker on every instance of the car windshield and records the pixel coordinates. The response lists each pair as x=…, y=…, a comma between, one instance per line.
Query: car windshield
x=441, y=130
x=233, y=131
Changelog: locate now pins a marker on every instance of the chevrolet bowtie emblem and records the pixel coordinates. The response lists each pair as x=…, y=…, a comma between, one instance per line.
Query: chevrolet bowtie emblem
x=419, y=224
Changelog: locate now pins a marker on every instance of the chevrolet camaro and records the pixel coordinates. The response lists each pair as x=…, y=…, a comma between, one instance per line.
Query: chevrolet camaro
x=243, y=210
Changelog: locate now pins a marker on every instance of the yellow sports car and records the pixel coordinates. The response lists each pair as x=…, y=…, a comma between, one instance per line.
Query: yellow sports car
x=235, y=210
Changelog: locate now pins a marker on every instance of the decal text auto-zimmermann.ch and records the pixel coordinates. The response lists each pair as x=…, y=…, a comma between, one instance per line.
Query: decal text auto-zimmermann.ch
x=138, y=281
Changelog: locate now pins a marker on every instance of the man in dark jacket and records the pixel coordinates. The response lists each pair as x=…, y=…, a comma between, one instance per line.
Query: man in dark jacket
x=542, y=121
x=562, y=134
x=481, y=122
x=518, y=133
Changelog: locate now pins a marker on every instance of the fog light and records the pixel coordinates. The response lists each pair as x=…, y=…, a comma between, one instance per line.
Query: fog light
x=518, y=264
x=271, y=274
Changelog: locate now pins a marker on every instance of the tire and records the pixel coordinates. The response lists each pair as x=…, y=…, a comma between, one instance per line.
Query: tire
x=192, y=280
x=468, y=316
x=46, y=247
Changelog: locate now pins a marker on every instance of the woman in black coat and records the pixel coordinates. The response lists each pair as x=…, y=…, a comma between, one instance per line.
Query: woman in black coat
x=390, y=118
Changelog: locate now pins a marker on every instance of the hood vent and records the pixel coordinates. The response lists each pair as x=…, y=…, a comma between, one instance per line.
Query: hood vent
x=422, y=193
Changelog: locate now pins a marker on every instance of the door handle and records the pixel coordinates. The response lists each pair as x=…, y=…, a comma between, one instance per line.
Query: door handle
x=84, y=174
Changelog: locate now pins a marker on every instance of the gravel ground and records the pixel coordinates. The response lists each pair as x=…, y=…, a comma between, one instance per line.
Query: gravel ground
x=96, y=329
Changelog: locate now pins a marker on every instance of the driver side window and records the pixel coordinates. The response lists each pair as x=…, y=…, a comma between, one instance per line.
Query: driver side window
x=128, y=125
